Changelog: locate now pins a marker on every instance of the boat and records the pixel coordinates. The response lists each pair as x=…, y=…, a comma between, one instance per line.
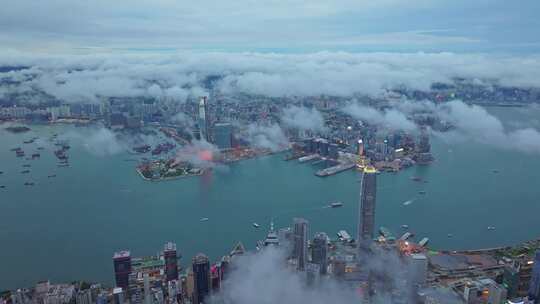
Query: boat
x=450, y=235
x=28, y=141
x=2, y=186
x=16, y=149
x=423, y=242
x=422, y=192
x=405, y=226
x=336, y=204
x=495, y=171
x=25, y=171
x=416, y=178
x=40, y=148
x=19, y=153
x=491, y=228
x=256, y=225
x=28, y=184
x=204, y=219
x=36, y=155
x=27, y=165
x=52, y=175
x=1, y=172
x=407, y=203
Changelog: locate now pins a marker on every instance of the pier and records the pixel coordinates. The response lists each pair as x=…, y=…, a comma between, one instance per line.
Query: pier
x=335, y=169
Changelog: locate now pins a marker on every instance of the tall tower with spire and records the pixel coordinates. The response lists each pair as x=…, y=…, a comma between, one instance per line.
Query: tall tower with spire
x=366, y=216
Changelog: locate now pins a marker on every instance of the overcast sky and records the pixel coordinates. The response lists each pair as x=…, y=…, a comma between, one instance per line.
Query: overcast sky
x=272, y=25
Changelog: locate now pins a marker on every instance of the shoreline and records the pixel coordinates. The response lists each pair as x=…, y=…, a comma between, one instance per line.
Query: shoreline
x=170, y=178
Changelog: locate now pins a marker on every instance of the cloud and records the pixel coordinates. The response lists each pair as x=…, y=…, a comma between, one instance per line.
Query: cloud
x=288, y=24
x=97, y=140
x=303, y=118
x=389, y=118
x=263, y=278
x=179, y=76
x=270, y=137
x=474, y=123
x=198, y=153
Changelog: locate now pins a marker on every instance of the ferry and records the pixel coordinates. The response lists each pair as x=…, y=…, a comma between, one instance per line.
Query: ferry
x=423, y=242
x=256, y=225
x=204, y=219
x=336, y=204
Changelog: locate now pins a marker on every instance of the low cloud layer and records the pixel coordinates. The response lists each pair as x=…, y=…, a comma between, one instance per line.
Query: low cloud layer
x=269, y=137
x=303, y=118
x=390, y=118
x=98, y=140
x=87, y=78
x=263, y=278
x=475, y=123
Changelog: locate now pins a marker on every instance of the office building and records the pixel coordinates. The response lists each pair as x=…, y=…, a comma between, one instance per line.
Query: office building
x=122, y=268
x=118, y=295
x=368, y=195
x=201, y=278
x=203, y=119
x=300, y=242
x=418, y=268
x=534, y=285
x=313, y=273
x=171, y=261
x=223, y=133
x=319, y=251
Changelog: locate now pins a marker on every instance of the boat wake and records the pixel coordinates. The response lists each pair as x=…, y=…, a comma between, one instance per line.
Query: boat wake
x=407, y=203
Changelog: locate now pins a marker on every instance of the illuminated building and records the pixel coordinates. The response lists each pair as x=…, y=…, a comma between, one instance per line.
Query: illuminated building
x=368, y=194
x=122, y=268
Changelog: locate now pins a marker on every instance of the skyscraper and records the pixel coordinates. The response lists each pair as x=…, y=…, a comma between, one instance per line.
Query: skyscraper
x=203, y=119
x=223, y=135
x=122, y=268
x=534, y=285
x=368, y=195
x=201, y=278
x=319, y=254
x=171, y=261
x=300, y=242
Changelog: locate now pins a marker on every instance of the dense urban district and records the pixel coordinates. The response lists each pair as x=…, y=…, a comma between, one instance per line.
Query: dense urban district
x=189, y=138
